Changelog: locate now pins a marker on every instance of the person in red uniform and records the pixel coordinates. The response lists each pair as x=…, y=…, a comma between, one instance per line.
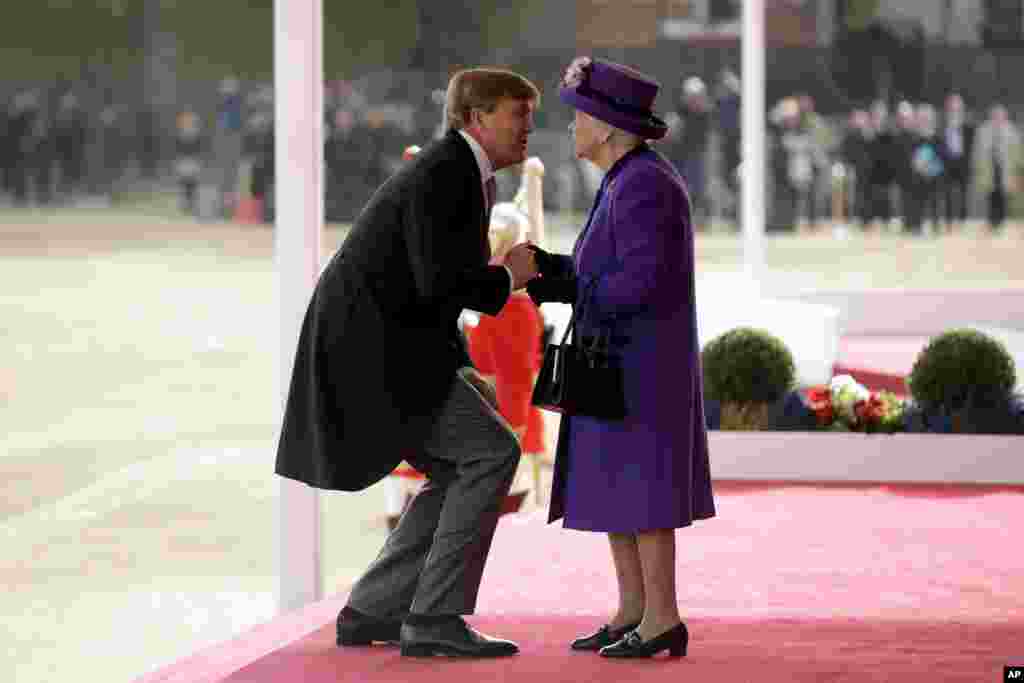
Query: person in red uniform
x=506, y=348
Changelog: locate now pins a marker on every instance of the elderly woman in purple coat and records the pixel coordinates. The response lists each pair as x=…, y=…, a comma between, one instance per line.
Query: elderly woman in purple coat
x=632, y=271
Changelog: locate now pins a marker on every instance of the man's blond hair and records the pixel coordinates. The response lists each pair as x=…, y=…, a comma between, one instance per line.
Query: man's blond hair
x=483, y=88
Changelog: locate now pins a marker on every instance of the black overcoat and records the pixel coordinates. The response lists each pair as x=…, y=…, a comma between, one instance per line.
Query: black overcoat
x=380, y=344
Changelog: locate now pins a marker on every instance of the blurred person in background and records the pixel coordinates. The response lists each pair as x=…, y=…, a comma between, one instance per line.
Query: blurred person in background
x=388, y=138
x=40, y=153
x=792, y=165
x=728, y=107
x=335, y=98
x=928, y=168
x=7, y=149
x=147, y=143
x=437, y=96
x=261, y=181
x=822, y=141
x=109, y=151
x=258, y=153
x=71, y=134
x=21, y=126
x=671, y=146
x=882, y=174
x=957, y=150
x=904, y=143
x=190, y=149
x=997, y=163
x=354, y=166
x=855, y=154
x=227, y=144
x=253, y=134
x=695, y=115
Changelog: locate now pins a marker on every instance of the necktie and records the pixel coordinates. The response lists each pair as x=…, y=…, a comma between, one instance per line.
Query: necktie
x=492, y=194
x=491, y=189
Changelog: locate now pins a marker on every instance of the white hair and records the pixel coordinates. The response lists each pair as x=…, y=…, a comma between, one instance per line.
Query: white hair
x=693, y=86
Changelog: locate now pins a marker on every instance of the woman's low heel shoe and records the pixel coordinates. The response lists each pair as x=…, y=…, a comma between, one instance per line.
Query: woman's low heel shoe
x=632, y=645
x=603, y=638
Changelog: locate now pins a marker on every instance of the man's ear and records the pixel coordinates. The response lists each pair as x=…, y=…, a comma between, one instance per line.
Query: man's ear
x=474, y=120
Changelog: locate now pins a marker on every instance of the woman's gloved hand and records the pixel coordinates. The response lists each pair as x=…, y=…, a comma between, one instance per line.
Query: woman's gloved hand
x=546, y=263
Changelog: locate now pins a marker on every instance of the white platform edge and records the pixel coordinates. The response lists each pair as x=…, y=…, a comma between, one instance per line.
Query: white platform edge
x=852, y=457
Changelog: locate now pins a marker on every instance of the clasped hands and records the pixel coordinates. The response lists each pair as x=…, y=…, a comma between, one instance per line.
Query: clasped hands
x=527, y=261
x=522, y=262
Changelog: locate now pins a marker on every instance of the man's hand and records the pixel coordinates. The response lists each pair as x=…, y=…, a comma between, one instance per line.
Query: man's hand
x=481, y=384
x=521, y=261
x=545, y=261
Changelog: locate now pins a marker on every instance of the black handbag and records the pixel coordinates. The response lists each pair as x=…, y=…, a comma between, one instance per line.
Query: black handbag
x=581, y=377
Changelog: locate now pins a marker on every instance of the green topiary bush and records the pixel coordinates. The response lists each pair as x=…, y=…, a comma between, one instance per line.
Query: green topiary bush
x=959, y=366
x=747, y=365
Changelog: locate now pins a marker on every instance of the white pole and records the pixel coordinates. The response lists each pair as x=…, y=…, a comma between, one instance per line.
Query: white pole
x=753, y=140
x=298, y=115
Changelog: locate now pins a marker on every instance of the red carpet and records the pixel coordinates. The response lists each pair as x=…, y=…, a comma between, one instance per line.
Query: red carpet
x=721, y=650
x=788, y=583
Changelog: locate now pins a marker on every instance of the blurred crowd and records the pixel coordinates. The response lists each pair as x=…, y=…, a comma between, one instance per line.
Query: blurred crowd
x=233, y=160
x=53, y=151
x=917, y=168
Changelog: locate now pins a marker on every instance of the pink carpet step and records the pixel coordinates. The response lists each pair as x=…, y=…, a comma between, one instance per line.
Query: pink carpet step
x=787, y=583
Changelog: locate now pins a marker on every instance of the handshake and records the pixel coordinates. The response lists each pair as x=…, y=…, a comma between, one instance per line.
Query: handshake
x=521, y=260
x=527, y=261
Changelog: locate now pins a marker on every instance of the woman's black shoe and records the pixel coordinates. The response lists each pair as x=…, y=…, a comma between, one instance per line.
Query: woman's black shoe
x=603, y=638
x=632, y=645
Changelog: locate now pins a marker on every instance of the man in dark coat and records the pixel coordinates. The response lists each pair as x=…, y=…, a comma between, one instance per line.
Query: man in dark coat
x=21, y=128
x=883, y=169
x=382, y=373
x=696, y=113
x=957, y=151
x=70, y=137
x=354, y=166
x=855, y=151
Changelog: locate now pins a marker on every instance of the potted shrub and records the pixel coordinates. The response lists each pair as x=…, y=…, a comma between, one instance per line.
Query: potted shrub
x=746, y=370
x=963, y=380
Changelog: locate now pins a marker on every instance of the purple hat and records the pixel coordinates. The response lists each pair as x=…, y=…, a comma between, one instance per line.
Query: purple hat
x=614, y=93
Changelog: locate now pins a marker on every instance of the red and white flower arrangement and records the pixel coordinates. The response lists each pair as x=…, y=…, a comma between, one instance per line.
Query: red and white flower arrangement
x=846, y=405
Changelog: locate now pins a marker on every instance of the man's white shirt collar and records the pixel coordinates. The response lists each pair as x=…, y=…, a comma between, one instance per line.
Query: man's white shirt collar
x=486, y=173
x=486, y=169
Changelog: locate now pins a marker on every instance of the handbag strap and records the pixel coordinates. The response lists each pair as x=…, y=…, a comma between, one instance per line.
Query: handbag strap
x=592, y=285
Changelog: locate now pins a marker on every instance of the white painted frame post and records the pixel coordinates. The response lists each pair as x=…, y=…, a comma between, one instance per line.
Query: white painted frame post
x=753, y=139
x=298, y=226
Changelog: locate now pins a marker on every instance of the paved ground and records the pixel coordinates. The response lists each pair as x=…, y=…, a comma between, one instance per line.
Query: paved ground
x=137, y=403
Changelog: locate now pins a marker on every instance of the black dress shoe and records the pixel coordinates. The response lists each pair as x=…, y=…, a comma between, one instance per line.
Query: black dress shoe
x=451, y=637
x=356, y=628
x=632, y=645
x=603, y=638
